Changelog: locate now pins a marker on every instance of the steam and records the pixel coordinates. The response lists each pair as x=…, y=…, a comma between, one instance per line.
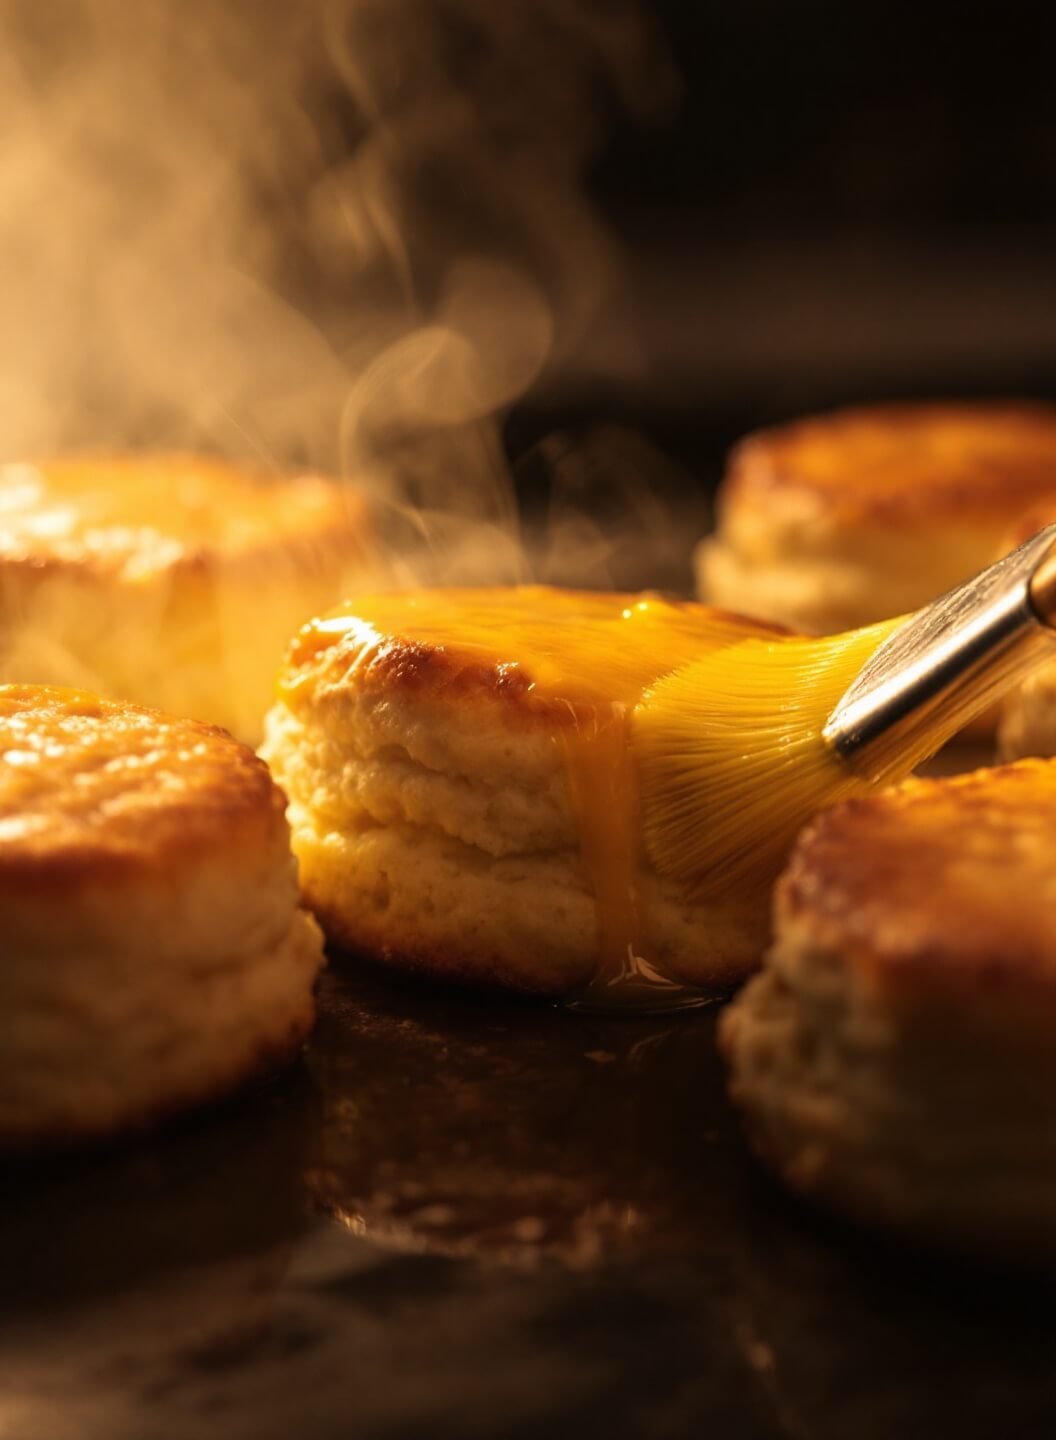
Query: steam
x=338, y=233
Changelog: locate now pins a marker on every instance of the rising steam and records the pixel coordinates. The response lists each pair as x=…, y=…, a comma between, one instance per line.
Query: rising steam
x=344, y=233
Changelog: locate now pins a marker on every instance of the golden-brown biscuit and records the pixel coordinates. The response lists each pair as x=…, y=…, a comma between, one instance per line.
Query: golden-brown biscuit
x=168, y=580
x=462, y=794
x=152, y=953
x=895, y=1059
x=838, y=520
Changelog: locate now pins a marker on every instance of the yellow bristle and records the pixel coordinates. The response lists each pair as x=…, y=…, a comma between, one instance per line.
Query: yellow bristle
x=733, y=762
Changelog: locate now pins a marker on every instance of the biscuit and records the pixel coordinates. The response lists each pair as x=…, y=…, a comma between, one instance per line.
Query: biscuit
x=152, y=951
x=895, y=1057
x=839, y=520
x=172, y=581
x=462, y=794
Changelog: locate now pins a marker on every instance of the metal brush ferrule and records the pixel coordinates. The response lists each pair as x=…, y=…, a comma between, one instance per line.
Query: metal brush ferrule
x=961, y=654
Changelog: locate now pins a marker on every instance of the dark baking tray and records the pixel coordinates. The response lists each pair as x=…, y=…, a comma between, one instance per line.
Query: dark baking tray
x=460, y=1216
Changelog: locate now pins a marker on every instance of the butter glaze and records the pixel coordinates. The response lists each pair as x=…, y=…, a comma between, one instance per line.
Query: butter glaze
x=579, y=663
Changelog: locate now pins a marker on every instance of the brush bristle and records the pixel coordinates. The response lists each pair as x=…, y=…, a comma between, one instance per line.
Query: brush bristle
x=733, y=762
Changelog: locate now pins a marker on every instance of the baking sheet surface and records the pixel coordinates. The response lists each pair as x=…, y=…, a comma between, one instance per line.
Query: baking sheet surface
x=463, y=1216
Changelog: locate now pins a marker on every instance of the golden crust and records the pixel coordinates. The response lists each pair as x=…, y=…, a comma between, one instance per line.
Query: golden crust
x=899, y=463
x=172, y=581
x=132, y=515
x=839, y=520
x=90, y=786
x=381, y=645
x=1028, y=524
x=936, y=886
x=401, y=666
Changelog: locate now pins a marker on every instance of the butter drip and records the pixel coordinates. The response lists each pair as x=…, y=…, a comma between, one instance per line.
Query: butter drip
x=582, y=660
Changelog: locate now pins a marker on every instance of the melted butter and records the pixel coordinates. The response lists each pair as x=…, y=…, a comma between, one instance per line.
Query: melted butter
x=585, y=660
x=604, y=798
x=574, y=646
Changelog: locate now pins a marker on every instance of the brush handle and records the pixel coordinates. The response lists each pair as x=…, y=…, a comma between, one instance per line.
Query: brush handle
x=950, y=661
x=1043, y=589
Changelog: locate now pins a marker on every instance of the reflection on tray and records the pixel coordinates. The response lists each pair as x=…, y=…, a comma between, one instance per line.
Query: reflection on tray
x=471, y=1126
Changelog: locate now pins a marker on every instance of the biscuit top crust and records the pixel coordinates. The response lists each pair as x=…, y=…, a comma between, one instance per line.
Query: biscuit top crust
x=133, y=515
x=90, y=786
x=545, y=650
x=900, y=463
x=1029, y=523
x=944, y=885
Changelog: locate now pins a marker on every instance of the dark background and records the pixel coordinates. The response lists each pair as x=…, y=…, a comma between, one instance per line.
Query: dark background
x=849, y=201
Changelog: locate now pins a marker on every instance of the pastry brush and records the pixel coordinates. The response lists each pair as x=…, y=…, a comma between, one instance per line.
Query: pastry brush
x=740, y=748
